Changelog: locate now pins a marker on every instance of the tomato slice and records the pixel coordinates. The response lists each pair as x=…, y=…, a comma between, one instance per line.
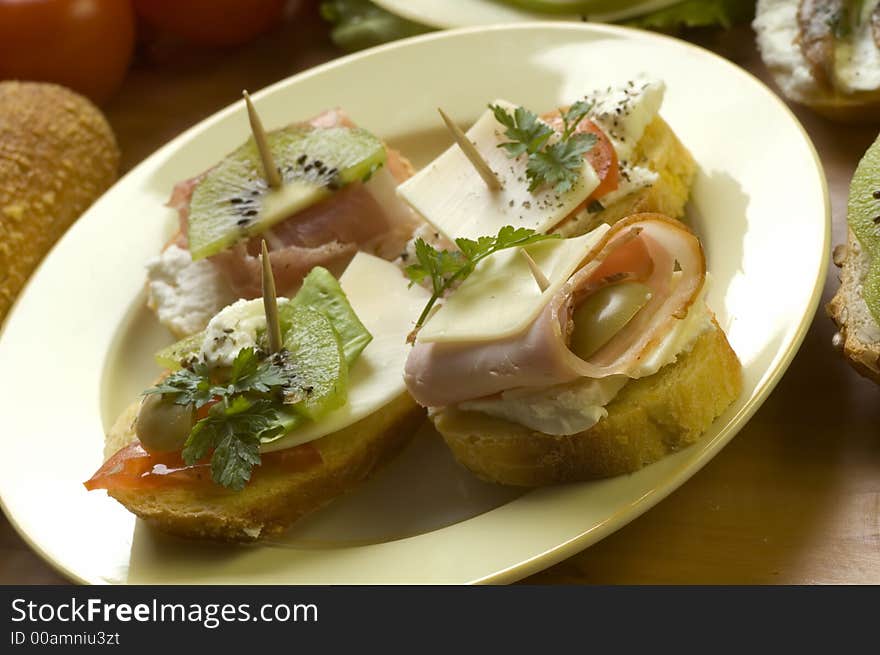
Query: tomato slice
x=602, y=156
x=133, y=468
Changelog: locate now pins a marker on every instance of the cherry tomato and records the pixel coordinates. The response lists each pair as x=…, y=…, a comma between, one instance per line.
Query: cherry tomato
x=211, y=22
x=83, y=44
x=602, y=156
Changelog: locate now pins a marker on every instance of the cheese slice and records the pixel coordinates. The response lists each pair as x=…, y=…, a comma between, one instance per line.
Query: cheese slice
x=454, y=199
x=388, y=307
x=623, y=112
x=501, y=298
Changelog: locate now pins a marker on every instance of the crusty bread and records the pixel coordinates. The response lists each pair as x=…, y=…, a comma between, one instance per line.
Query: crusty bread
x=859, y=333
x=272, y=501
x=649, y=418
x=660, y=150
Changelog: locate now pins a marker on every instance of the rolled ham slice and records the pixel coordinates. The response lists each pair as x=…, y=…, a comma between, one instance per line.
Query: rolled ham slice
x=644, y=247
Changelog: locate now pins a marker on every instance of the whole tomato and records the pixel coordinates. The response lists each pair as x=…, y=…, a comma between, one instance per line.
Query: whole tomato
x=83, y=44
x=211, y=22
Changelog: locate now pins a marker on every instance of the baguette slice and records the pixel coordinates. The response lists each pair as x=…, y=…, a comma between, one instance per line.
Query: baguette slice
x=650, y=418
x=660, y=150
x=272, y=501
x=859, y=333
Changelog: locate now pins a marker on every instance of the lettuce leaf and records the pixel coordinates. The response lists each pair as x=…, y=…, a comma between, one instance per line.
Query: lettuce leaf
x=696, y=13
x=359, y=24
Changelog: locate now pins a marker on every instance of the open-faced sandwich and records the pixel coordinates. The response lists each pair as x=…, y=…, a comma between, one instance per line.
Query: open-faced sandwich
x=554, y=360
x=856, y=305
x=329, y=192
x=824, y=53
x=254, y=428
x=614, y=363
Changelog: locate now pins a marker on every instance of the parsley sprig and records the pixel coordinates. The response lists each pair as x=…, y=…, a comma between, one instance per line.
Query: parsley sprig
x=556, y=163
x=447, y=267
x=243, y=412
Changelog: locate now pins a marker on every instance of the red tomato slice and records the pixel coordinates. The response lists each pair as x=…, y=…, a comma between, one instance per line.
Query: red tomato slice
x=602, y=156
x=133, y=468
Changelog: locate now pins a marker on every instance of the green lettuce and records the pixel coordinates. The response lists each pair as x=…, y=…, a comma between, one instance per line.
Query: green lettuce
x=359, y=24
x=696, y=13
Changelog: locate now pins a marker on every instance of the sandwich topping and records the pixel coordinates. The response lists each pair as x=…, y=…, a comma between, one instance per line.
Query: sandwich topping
x=631, y=304
x=338, y=196
x=229, y=405
x=574, y=160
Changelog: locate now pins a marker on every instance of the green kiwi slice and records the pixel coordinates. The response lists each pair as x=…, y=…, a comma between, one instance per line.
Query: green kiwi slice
x=863, y=214
x=234, y=201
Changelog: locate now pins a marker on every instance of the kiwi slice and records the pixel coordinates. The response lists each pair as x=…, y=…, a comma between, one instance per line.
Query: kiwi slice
x=863, y=214
x=234, y=201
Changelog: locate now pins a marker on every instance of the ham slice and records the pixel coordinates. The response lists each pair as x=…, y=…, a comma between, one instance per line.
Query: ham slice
x=241, y=267
x=644, y=247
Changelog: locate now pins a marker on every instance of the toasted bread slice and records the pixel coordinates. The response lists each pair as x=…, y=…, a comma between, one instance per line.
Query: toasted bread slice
x=650, y=418
x=859, y=333
x=271, y=502
x=660, y=150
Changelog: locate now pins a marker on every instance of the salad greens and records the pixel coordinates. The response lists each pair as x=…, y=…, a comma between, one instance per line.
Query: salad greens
x=359, y=24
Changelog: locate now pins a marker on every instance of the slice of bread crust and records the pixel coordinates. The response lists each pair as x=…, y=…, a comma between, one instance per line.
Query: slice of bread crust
x=859, y=333
x=650, y=418
x=660, y=150
x=271, y=502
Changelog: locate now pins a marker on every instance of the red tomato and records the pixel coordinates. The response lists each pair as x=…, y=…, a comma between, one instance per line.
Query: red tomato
x=211, y=22
x=602, y=156
x=135, y=468
x=83, y=44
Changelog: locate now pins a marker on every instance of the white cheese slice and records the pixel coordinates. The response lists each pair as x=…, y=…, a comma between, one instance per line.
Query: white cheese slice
x=625, y=111
x=501, y=298
x=388, y=307
x=451, y=195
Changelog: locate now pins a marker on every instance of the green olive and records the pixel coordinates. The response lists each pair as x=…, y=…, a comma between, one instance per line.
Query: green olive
x=603, y=314
x=162, y=426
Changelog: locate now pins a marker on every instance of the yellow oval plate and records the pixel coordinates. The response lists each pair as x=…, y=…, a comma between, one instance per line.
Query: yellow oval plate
x=465, y=13
x=77, y=346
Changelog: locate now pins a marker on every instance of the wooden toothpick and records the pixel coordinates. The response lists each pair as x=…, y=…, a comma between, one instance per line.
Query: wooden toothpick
x=273, y=178
x=537, y=273
x=470, y=151
x=270, y=302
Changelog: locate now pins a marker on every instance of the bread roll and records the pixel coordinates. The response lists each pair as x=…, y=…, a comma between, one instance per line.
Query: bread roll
x=57, y=155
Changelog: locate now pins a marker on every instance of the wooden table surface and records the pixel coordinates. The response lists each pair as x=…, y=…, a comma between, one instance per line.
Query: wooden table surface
x=793, y=499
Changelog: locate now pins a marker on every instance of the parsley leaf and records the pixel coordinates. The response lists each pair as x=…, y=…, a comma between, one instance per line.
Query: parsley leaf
x=445, y=267
x=233, y=430
x=242, y=415
x=573, y=116
x=559, y=164
x=556, y=163
x=186, y=387
x=527, y=132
